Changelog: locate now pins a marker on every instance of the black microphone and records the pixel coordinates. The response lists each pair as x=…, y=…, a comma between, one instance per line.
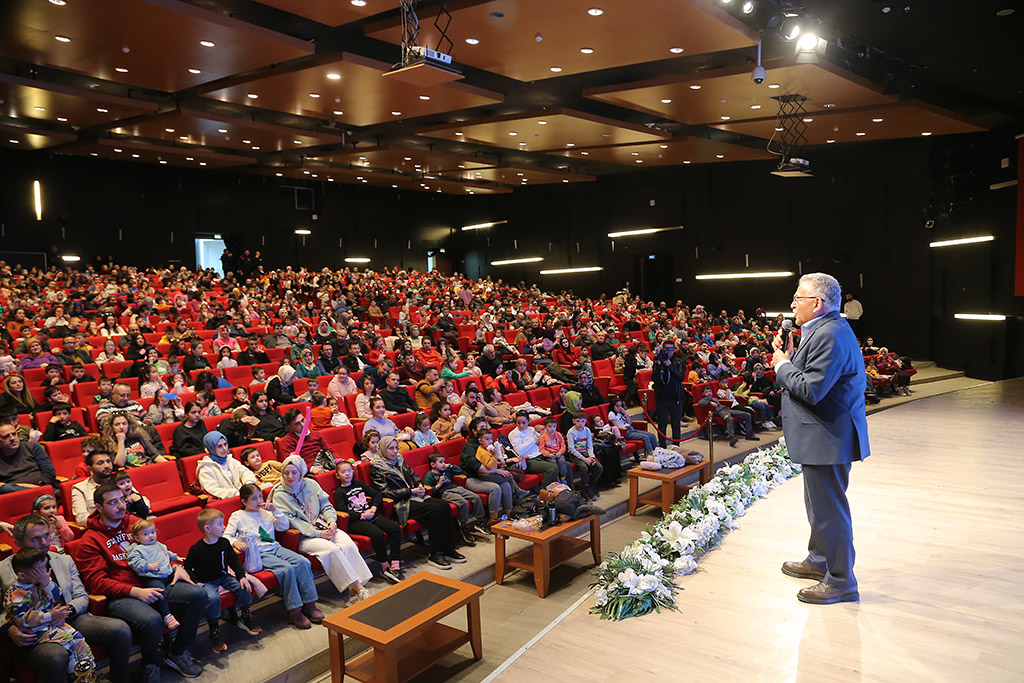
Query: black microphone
x=787, y=330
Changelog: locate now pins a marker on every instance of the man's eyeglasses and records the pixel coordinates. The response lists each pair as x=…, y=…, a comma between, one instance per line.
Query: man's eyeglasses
x=805, y=297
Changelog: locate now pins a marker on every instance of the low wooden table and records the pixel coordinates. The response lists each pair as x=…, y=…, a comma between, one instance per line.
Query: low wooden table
x=400, y=622
x=670, y=491
x=551, y=547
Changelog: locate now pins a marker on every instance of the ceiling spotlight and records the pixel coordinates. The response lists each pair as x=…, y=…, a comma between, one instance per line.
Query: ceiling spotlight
x=337, y=112
x=251, y=95
x=675, y=50
x=303, y=231
x=877, y=120
x=206, y=43
x=279, y=174
x=102, y=110
x=13, y=141
x=666, y=101
x=222, y=130
x=120, y=69
x=556, y=69
x=62, y=119
x=663, y=146
x=513, y=133
x=830, y=141
x=297, y=142
x=586, y=154
x=194, y=71
x=807, y=42
x=460, y=133
x=773, y=86
x=396, y=113
x=595, y=11
x=62, y=39
x=926, y=133
x=314, y=95
x=473, y=41
x=359, y=3
x=755, y=106
x=724, y=117
x=695, y=86
x=726, y=2
x=587, y=50
x=542, y=123
x=829, y=105
x=748, y=7
x=807, y=119
x=861, y=134
x=39, y=108
x=59, y=3
x=424, y=97
x=246, y=142
x=790, y=29
x=719, y=156
x=162, y=161
x=334, y=77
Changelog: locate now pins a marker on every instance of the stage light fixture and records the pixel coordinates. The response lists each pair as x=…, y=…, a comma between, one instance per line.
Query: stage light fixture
x=979, y=316
x=744, y=276
x=37, y=196
x=71, y=258
x=481, y=226
x=965, y=240
x=357, y=259
x=513, y=261
x=567, y=271
x=302, y=231
x=642, y=231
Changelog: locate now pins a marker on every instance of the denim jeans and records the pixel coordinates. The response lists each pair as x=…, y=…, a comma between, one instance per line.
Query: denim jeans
x=187, y=602
x=50, y=660
x=293, y=572
x=243, y=599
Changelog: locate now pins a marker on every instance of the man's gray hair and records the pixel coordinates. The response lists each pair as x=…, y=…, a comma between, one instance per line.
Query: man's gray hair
x=826, y=287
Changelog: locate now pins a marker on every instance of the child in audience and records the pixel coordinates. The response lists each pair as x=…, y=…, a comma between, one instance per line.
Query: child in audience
x=137, y=504
x=61, y=426
x=207, y=404
x=321, y=414
x=29, y=605
x=470, y=506
x=153, y=382
x=367, y=445
x=471, y=368
x=259, y=376
x=622, y=426
x=424, y=435
x=151, y=560
x=294, y=572
x=60, y=533
x=54, y=376
x=226, y=361
x=178, y=382
x=78, y=375
x=103, y=393
x=338, y=418
x=363, y=505
x=266, y=472
x=579, y=445
x=552, y=447
x=312, y=387
x=450, y=393
x=207, y=563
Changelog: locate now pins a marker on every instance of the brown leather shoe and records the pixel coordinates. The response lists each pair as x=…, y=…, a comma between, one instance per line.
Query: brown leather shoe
x=801, y=570
x=823, y=594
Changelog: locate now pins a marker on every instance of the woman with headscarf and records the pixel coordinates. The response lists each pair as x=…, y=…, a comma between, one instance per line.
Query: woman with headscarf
x=37, y=357
x=571, y=402
x=279, y=389
x=589, y=393
x=309, y=511
x=218, y=473
x=307, y=366
x=392, y=476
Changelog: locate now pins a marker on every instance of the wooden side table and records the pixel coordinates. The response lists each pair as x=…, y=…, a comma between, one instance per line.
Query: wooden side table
x=400, y=622
x=551, y=547
x=670, y=490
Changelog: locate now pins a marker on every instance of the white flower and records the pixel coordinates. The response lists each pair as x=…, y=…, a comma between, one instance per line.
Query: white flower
x=714, y=486
x=628, y=579
x=648, y=583
x=685, y=565
x=600, y=597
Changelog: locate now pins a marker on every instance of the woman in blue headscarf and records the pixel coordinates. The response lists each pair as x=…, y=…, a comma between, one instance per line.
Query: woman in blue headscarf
x=218, y=473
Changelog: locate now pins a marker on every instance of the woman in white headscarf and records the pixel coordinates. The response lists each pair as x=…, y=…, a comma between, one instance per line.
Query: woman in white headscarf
x=279, y=389
x=309, y=511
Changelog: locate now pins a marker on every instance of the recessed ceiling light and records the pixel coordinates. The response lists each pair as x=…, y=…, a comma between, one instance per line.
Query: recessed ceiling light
x=830, y=106
x=719, y=156
x=396, y=113
x=13, y=141
x=663, y=146
x=877, y=120
x=724, y=117
x=39, y=108
x=135, y=156
x=807, y=119
x=62, y=119
x=459, y=133
x=279, y=174
x=306, y=172
x=206, y=43
x=162, y=161
x=556, y=69
x=222, y=130
x=360, y=158
x=315, y=175
x=1001, y=13
x=675, y=50
x=297, y=142
x=695, y=86
x=542, y=123
x=186, y=158
x=120, y=69
x=587, y=50
x=424, y=97
x=255, y=148
x=755, y=106
x=513, y=133
x=748, y=7
x=686, y=162
x=830, y=141
x=636, y=154
x=403, y=158
x=246, y=142
x=926, y=133
x=337, y=112
x=359, y=3
x=194, y=71
x=595, y=11
x=666, y=101
x=59, y=3
x=202, y=163
x=570, y=144
x=472, y=41
x=586, y=154
x=773, y=86
x=861, y=134
x=639, y=161
x=62, y=39
x=251, y=95
x=314, y=95
x=779, y=129
x=102, y=110
x=183, y=137
x=118, y=150
x=521, y=144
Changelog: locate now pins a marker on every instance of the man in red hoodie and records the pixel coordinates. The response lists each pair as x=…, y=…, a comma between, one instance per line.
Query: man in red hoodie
x=103, y=565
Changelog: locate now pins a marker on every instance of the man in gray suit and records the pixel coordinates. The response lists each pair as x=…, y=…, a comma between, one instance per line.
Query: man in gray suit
x=824, y=421
x=50, y=659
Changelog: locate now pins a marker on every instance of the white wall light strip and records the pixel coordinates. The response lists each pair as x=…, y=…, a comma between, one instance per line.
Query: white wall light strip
x=565, y=271
x=979, y=316
x=743, y=276
x=966, y=240
x=303, y=232
x=357, y=259
x=642, y=231
x=511, y=261
x=481, y=226
x=68, y=258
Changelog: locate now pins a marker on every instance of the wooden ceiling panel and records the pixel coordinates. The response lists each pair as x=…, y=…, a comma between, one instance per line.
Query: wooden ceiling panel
x=544, y=130
x=506, y=34
x=142, y=152
x=906, y=119
x=678, y=150
x=352, y=91
x=358, y=176
x=155, y=42
x=201, y=128
x=332, y=12
x=402, y=159
x=520, y=175
x=17, y=137
x=81, y=110
x=706, y=97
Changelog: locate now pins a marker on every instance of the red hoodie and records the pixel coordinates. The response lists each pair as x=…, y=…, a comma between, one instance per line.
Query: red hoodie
x=103, y=558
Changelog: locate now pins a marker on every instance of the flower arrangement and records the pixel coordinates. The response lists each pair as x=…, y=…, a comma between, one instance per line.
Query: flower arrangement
x=641, y=579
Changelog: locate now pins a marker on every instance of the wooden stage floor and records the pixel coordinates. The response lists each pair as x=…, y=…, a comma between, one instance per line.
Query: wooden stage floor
x=938, y=527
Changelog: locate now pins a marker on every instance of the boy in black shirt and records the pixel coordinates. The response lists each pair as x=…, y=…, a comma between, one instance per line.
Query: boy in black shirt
x=62, y=426
x=363, y=504
x=207, y=563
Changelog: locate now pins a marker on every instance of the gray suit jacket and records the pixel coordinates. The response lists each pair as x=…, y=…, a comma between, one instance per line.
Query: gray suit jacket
x=66, y=573
x=823, y=414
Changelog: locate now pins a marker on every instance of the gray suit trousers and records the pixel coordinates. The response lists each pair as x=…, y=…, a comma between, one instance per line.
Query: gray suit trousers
x=828, y=511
